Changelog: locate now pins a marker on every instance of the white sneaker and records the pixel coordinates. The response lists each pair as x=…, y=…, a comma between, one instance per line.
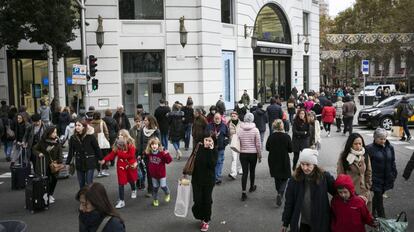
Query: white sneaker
x=105, y=173
x=99, y=175
x=120, y=204
x=134, y=194
x=51, y=199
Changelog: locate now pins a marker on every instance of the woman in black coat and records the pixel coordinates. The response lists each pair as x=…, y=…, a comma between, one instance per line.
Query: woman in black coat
x=307, y=203
x=203, y=180
x=279, y=146
x=301, y=131
x=384, y=171
x=176, y=129
x=64, y=120
x=84, y=147
x=20, y=129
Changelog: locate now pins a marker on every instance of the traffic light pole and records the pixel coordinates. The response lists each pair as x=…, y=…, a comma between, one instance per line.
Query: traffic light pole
x=84, y=59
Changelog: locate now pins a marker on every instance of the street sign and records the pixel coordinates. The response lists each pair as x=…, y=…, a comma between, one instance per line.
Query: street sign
x=79, y=74
x=365, y=67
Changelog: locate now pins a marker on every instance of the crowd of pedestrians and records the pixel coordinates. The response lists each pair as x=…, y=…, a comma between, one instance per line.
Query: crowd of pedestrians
x=141, y=154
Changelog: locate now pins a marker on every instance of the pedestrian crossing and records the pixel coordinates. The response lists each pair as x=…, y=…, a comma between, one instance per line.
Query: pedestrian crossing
x=5, y=175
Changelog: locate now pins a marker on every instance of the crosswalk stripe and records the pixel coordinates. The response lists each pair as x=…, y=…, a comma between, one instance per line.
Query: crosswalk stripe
x=1, y=182
x=399, y=142
x=410, y=147
x=5, y=175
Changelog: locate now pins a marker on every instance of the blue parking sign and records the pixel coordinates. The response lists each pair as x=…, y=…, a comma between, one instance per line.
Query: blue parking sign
x=365, y=67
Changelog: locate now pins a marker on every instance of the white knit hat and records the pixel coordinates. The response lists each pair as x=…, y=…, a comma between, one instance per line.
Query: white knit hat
x=309, y=156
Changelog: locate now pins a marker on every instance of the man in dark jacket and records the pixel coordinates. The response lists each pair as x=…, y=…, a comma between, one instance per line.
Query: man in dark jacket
x=323, y=99
x=348, y=111
x=141, y=111
x=188, y=121
x=221, y=107
x=121, y=118
x=161, y=115
x=274, y=111
x=404, y=112
x=260, y=119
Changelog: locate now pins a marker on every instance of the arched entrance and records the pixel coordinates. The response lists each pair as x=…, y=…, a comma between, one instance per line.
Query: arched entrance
x=272, y=64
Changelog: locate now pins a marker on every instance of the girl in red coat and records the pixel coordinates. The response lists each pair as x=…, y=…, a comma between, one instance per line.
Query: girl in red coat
x=349, y=211
x=157, y=158
x=328, y=116
x=126, y=166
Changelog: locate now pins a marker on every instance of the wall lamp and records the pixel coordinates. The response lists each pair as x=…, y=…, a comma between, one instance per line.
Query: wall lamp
x=305, y=37
x=249, y=32
x=183, y=33
x=100, y=32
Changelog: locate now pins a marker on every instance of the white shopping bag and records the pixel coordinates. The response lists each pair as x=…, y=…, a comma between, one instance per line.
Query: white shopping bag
x=183, y=198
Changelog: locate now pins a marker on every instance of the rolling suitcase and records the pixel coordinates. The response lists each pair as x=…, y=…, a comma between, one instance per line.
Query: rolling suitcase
x=19, y=173
x=64, y=173
x=37, y=197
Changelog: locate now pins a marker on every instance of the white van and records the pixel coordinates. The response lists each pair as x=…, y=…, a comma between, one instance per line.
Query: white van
x=371, y=90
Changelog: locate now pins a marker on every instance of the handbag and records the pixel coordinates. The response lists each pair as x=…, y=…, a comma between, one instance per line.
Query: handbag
x=55, y=167
x=183, y=198
x=235, y=143
x=72, y=167
x=189, y=166
x=102, y=141
x=393, y=225
x=10, y=133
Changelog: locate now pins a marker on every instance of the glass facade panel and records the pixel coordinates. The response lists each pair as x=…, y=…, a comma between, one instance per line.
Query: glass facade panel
x=227, y=11
x=272, y=26
x=72, y=91
x=268, y=76
x=141, y=9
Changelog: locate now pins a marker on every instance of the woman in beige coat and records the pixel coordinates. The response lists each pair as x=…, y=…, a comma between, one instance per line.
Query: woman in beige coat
x=98, y=124
x=355, y=162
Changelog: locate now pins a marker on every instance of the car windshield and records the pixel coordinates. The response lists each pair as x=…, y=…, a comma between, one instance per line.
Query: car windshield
x=388, y=102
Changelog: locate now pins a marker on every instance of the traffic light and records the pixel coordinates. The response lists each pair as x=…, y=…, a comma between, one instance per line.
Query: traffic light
x=92, y=65
x=95, y=84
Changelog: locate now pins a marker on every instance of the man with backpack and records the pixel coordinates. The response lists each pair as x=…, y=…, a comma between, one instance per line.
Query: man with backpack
x=404, y=112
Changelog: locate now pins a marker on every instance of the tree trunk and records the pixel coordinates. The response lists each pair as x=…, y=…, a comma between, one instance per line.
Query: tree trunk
x=55, y=80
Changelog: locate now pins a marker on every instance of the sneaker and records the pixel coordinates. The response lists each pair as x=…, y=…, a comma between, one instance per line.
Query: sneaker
x=179, y=154
x=134, y=194
x=329, y=134
x=408, y=138
x=100, y=175
x=51, y=199
x=218, y=182
x=279, y=200
x=252, y=188
x=244, y=196
x=120, y=204
x=204, y=226
x=402, y=139
x=232, y=177
x=105, y=173
x=155, y=203
x=167, y=198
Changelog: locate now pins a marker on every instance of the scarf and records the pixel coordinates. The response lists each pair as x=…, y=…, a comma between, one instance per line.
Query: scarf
x=355, y=156
x=149, y=132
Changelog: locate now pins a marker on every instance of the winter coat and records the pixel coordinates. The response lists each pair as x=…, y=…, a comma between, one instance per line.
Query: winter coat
x=122, y=121
x=361, y=174
x=222, y=133
x=309, y=105
x=176, y=130
x=400, y=109
x=199, y=126
x=188, y=115
x=64, y=120
x=409, y=167
x=146, y=135
x=249, y=139
x=352, y=214
x=135, y=133
x=300, y=136
x=384, y=171
x=274, y=112
x=349, y=109
x=260, y=119
x=20, y=131
x=291, y=106
x=221, y=107
x=85, y=150
x=315, y=134
x=31, y=138
x=113, y=128
x=338, y=107
x=97, y=124
x=69, y=131
x=91, y=223
x=320, y=210
x=8, y=123
x=323, y=100
x=45, y=113
x=157, y=162
x=245, y=99
x=161, y=115
x=205, y=166
x=51, y=149
x=317, y=108
x=328, y=114
x=279, y=145
x=126, y=159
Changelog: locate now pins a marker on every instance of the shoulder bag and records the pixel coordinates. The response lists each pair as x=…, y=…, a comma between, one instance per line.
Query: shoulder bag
x=103, y=223
x=102, y=141
x=235, y=143
x=189, y=166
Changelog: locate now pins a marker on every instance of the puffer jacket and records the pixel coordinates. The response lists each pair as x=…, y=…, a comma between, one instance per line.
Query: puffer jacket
x=249, y=138
x=233, y=128
x=328, y=114
x=338, y=107
x=260, y=119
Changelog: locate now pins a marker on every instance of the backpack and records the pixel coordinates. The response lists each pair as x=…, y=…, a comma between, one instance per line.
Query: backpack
x=407, y=111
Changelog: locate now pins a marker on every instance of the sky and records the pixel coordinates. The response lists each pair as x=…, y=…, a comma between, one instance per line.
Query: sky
x=336, y=6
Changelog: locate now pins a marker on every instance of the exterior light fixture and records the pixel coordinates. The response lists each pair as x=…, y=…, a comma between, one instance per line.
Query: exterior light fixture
x=183, y=33
x=305, y=37
x=100, y=33
x=249, y=32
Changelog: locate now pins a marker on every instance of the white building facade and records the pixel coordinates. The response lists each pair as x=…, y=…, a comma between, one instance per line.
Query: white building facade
x=143, y=61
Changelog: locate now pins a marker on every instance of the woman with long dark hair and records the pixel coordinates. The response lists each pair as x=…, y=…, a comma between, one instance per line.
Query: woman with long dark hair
x=50, y=149
x=300, y=135
x=96, y=211
x=354, y=161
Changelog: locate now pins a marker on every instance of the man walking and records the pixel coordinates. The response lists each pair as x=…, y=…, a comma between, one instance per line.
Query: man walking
x=274, y=111
x=404, y=112
x=348, y=111
x=188, y=121
x=161, y=115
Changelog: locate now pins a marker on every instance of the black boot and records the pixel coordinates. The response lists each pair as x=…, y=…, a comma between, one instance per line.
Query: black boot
x=244, y=196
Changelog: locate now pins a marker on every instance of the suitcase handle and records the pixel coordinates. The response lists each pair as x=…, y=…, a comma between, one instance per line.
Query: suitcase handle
x=403, y=213
x=43, y=165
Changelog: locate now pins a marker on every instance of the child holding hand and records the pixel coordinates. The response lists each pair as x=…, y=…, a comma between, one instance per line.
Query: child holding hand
x=157, y=159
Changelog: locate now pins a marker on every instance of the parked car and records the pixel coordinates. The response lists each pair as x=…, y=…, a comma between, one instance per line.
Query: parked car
x=382, y=114
x=371, y=90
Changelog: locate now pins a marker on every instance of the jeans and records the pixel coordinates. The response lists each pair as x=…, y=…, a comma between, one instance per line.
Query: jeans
x=8, y=146
x=156, y=183
x=122, y=191
x=85, y=178
x=164, y=140
x=234, y=162
x=248, y=162
x=270, y=128
x=280, y=185
x=291, y=117
x=219, y=165
x=187, y=135
x=202, y=197
x=404, y=124
x=327, y=126
x=262, y=138
x=338, y=124
x=176, y=145
x=52, y=181
x=378, y=204
x=348, y=124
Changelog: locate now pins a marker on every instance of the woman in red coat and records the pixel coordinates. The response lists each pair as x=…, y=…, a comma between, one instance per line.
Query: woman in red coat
x=126, y=166
x=328, y=116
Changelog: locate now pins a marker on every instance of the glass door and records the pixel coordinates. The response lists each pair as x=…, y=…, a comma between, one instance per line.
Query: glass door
x=269, y=78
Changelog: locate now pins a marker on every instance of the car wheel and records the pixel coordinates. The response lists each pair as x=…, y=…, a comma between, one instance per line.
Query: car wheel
x=387, y=123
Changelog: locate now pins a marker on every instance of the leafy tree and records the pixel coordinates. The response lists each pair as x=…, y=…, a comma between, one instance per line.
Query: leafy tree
x=48, y=22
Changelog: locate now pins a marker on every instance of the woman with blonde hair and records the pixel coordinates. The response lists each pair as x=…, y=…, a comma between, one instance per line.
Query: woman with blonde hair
x=126, y=166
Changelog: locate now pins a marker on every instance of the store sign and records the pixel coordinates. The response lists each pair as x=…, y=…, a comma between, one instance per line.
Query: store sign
x=273, y=51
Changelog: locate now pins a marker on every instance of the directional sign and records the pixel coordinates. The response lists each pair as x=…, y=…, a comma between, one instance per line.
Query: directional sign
x=79, y=74
x=365, y=67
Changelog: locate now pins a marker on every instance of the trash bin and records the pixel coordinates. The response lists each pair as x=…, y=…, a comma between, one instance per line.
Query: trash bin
x=13, y=226
x=369, y=100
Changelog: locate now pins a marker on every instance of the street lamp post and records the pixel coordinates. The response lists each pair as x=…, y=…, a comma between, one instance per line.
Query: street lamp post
x=346, y=54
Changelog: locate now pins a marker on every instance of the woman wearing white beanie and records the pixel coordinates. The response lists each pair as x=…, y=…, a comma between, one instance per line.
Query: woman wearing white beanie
x=307, y=203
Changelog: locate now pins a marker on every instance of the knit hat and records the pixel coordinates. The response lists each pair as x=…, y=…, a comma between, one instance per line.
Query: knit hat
x=309, y=156
x=380, y=133
x=249, y=117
